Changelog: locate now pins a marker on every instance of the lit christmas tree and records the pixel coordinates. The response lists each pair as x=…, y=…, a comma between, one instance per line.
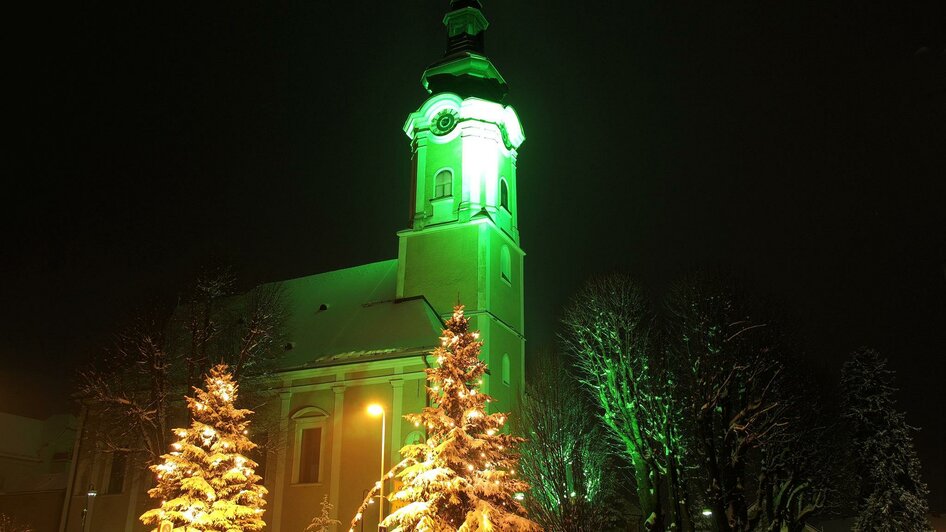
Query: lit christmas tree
x=464, y=476
x=207, y=482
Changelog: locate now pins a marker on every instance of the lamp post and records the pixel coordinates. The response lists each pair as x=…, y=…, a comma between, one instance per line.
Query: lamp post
x=377, y=410
x=89, y=497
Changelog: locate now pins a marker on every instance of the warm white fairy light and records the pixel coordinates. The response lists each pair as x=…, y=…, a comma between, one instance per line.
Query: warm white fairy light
x=209, y=475
x=458, y=427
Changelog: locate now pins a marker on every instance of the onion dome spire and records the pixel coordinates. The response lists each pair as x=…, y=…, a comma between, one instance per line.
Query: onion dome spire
x=464, y=68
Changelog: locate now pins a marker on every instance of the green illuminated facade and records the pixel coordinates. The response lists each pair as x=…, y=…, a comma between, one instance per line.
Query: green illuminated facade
x=364, y=334
x=463, y=240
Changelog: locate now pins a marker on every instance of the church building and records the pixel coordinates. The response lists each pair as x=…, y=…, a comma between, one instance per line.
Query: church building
x=461, y=244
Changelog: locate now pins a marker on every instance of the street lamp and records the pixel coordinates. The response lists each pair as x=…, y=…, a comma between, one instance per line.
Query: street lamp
x=377, y=410
x=89, y=497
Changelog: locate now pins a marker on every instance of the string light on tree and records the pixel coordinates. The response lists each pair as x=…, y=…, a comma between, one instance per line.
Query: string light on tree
x=207, y=482
x=461, y=477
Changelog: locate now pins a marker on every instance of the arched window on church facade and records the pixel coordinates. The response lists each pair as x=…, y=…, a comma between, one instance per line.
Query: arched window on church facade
x=505, y=264
x=309, y=444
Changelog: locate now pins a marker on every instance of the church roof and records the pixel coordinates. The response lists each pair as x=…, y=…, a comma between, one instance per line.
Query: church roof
x=352, y=314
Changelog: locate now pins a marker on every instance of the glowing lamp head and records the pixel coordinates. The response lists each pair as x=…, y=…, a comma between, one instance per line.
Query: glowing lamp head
x=375, y=409
x=707, y=512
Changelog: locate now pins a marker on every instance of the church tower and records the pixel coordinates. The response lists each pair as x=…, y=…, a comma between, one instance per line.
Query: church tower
x=463, y=240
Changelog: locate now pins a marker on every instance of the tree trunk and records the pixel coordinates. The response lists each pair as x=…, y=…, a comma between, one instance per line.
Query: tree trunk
x=646, y=496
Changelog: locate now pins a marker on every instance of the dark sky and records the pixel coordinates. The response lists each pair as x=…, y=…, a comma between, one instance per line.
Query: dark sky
x=801, y=143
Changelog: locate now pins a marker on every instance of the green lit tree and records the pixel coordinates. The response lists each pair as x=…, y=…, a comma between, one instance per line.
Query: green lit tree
x=207, y=482
x=567, y=458
x=464, y=476
x=892, y=495
x=610, y=331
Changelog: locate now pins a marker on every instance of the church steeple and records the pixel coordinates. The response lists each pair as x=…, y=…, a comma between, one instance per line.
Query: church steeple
x=464, y=68
x=466, y=27
x=462, y=242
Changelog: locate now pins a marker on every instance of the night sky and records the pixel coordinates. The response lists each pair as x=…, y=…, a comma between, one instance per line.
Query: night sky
x=798, y=143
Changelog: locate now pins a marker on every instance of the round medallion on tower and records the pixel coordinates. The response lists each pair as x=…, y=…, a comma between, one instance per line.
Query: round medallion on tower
x=444, y=122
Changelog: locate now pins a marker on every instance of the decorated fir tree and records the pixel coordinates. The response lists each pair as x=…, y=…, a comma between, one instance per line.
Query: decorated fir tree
x=207, y=482
x=464, y=476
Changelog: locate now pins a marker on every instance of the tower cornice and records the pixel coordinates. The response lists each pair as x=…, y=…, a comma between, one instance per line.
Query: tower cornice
x=501, y=116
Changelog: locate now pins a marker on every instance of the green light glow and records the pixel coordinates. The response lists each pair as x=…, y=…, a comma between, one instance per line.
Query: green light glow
x=504, y=117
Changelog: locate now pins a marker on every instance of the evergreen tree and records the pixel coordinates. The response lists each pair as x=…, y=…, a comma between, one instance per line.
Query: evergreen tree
x=207, y=482
x=463, y=477
x=893, y=497
x=323, y=521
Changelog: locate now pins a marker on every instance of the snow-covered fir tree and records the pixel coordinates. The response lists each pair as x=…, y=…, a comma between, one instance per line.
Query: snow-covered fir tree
x=892, y=495
x=207, y=482
x=324, y=521
x=463, y=478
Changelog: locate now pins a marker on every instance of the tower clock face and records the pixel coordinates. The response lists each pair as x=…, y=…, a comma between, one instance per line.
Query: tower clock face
x=444, y=122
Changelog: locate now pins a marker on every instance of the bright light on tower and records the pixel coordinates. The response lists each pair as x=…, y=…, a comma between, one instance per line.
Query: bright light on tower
x=375, y=409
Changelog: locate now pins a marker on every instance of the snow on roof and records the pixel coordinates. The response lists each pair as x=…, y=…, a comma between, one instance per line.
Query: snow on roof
x=346, y=315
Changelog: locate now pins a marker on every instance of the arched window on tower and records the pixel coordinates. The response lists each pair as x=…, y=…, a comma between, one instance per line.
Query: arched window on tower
x=443, y=184
x=506, y=370
x=503, y=193
x=505, y=264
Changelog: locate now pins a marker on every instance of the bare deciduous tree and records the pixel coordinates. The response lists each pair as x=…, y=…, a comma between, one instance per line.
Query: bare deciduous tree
x=134, y=389
x=567, y=462
x=740, y=389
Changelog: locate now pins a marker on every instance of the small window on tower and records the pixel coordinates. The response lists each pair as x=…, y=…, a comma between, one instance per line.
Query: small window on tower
x=504, y=194
x=506, y=370
x=443, y=184
x=505, y=265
